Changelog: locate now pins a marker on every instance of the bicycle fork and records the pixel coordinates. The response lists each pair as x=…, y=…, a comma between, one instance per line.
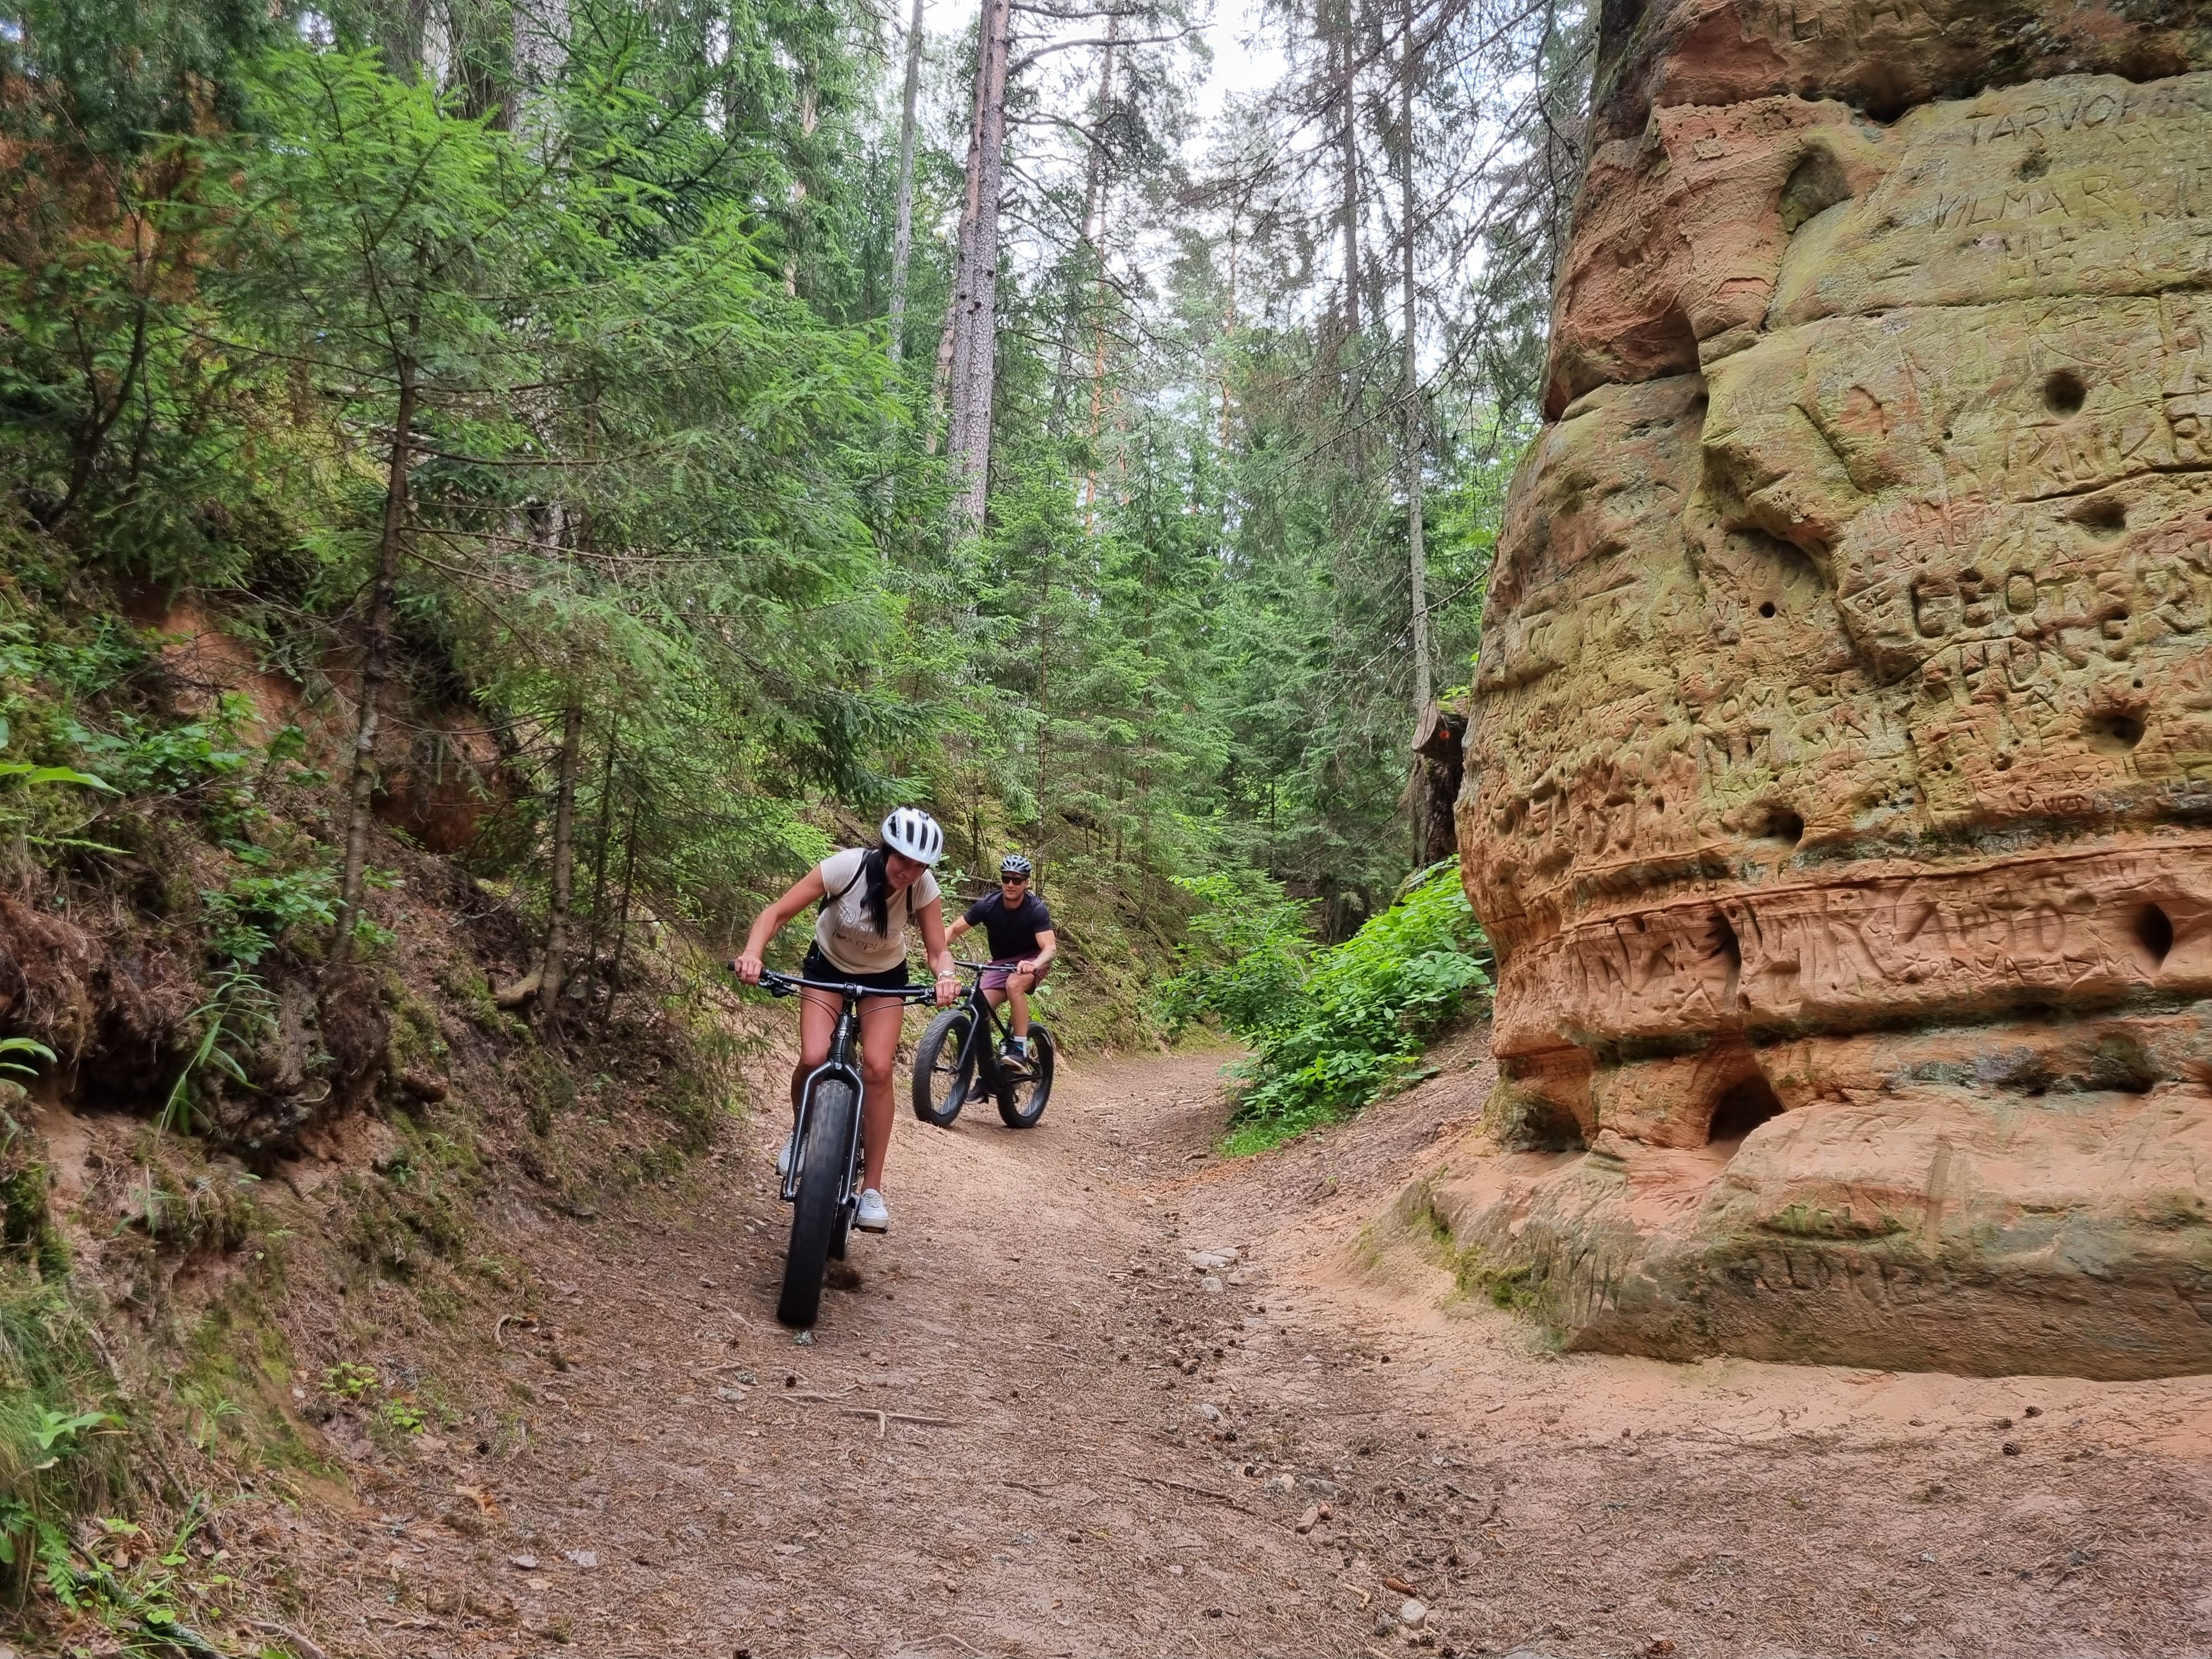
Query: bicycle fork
x=838, y=1065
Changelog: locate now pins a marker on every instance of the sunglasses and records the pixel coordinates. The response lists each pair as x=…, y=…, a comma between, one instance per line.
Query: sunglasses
x=1013, y=881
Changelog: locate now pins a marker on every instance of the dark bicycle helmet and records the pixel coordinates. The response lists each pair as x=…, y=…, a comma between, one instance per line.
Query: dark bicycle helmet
x=1015, y=864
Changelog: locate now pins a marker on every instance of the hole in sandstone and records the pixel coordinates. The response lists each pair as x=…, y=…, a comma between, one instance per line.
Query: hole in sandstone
x=2114, y=732
x=1674, y=343
x=2035, y=166
x=1724, y=941
x=1742, y=1110
x=2153, y=932
x=1815, y=185
x=1886, y=100
x=1766, y=609
x=2122, y=1063
x=2102, y=518
x=1780, y=824
x=2063, y=393
x=1537, y=1123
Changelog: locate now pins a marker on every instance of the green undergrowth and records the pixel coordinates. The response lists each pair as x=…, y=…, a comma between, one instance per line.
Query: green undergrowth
x=1330, y=1030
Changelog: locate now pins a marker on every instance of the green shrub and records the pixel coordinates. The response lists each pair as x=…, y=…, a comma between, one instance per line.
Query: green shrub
x=1245, y=957
x=1331, y=1031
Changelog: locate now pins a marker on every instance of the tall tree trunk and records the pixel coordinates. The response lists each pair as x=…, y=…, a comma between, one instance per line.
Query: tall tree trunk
x=1347, y=140
x=375, y=665
x=621, y=922
x=599, y=858
x=555, y=964
x=903, y=238
x=540, y=48
x=1097, y=189
x=1410, y=391
x=975, y=278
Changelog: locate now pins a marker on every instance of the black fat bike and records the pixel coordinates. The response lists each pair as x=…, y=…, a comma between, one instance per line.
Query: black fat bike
x=959, y=1053
x=823, y=1185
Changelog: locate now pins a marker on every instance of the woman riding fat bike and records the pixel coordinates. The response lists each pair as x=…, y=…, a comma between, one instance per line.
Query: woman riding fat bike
x=868, y=896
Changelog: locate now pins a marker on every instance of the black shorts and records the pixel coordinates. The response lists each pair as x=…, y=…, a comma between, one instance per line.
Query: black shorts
x=817, y=966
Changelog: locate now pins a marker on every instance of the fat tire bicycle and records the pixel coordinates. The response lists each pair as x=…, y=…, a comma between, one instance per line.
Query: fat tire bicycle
x=960, y=1051
x=823, y=1185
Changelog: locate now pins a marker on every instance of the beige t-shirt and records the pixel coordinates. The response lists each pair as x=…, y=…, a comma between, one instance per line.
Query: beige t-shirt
x=844, y=932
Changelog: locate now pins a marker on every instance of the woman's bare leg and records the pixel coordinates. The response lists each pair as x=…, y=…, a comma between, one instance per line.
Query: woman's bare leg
x=817, y=1023
x=880, y=1018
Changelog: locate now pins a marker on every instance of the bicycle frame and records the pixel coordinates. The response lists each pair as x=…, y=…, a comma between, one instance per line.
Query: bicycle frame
x=986, y=1030
x=844, y=1039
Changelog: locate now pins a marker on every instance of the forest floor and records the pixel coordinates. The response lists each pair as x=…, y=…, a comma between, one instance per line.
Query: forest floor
x=1027, y=1423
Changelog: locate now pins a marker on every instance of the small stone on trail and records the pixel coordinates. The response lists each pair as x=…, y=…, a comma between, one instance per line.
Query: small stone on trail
x=527, y=1562
x=1210, y=1284
x=1382, y=1624
x=1209, y=1411
x=1174, y=1568
x=804, y=1338
x=1413, y=1614
x=580, y=1558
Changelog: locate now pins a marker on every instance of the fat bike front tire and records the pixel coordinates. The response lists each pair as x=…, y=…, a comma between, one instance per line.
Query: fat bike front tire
x=823, y=1177
x=941, y=1084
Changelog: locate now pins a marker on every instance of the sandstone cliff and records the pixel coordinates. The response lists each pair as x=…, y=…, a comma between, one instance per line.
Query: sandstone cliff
x=1839, y=772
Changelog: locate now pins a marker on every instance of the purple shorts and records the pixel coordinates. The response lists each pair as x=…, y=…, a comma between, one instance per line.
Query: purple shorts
x=995, y=977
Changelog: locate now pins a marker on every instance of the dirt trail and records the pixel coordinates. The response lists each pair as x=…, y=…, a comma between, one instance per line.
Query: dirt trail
x=1086, y=1451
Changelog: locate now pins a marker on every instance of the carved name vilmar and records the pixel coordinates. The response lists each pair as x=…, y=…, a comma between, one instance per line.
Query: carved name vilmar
x=1839, y=771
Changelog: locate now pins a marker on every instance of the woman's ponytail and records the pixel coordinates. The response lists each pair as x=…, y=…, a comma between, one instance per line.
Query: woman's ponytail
x=876, y=899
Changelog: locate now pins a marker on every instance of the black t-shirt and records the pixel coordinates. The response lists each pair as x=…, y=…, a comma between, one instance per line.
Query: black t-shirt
x=1013, y=932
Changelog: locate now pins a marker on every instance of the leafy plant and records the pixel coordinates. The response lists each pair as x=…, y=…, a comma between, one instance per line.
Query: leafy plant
x=241, y=1011
x=11, y=1047
x=1332, y=1033
x=351, y=1381
x=1245, y=957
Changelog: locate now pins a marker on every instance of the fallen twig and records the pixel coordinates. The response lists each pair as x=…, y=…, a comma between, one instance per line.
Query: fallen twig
x=299, y=1645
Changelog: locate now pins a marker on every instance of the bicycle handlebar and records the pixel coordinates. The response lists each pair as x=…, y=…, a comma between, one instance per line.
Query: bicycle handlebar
x=785, y=985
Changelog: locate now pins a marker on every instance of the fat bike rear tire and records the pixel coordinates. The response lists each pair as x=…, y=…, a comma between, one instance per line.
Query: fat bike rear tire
x=1023, y=1102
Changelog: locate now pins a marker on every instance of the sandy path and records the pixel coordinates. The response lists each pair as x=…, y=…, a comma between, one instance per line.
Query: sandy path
x=1091, y=1453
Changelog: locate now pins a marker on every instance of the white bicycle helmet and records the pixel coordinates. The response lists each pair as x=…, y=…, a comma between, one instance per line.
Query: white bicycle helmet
x=910, y=830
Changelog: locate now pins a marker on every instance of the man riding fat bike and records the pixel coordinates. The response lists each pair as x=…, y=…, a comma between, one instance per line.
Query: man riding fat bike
x=1022, y=945
x=868, y=896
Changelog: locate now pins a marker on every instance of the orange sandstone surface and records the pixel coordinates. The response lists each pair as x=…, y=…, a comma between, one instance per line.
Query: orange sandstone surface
x=1840, y=767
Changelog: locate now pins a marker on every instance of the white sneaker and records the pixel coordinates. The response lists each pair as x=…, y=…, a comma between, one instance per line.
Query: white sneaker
x=875, y=1216
x=785, y=1153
